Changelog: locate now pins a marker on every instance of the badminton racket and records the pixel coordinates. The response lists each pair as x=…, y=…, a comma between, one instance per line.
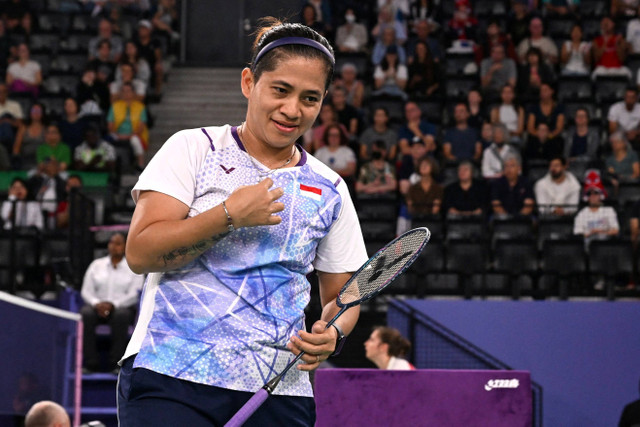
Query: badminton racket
x=375, y=275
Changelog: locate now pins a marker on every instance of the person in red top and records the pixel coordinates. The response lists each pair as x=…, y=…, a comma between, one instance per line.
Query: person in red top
x=463, y=25
x=610, y=51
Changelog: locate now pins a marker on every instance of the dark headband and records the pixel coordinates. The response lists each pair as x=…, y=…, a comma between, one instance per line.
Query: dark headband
x=295, y=40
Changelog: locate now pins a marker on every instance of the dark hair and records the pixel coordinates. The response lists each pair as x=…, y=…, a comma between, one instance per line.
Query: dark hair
x=562, y=160
x=273, y=29
x=399, y=346
x=586, y=111
x=20, y=180
x=378, y=143
x=435, y=168
x=536, y=51
x=343, y=136
x=76, y=176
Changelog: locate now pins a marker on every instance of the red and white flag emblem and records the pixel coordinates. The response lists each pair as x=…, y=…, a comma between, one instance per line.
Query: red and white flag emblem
x=311, y=192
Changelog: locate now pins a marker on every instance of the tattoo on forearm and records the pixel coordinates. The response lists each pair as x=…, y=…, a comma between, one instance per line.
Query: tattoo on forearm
x=179, y=255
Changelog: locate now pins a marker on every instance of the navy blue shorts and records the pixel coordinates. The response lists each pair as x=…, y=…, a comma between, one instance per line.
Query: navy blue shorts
x=146, y=398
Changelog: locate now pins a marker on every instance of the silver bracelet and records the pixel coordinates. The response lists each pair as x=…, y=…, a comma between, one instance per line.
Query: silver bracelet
x=230, y=226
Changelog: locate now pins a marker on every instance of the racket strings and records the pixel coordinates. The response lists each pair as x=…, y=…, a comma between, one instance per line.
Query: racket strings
x=385, y=266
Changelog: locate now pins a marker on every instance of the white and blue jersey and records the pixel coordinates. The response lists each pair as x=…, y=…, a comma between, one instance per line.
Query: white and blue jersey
x=225, y=318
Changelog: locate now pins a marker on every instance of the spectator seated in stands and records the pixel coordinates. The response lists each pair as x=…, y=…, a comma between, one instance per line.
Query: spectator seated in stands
x=25, y=74
x=53, y=147
x=103, y=62
x=559, y=8
x=416, y=129
x=494, y=36
x=19, y=210
x=29, y=138
x=149, y=48
x=518, y=21
x=427, y=11
x=140, y=65
x=407, y=176
x=532, y=75
x=165, y=22
x=542, y=146
x=595, y=221
x=46, y=413
x=94, y=154
x=624, y=116
x=461, y=142
x=494, y=156
x=424, y=72
x=127, y=75
x=387, y=40
x=575, y=55
x=550, y=112
x=314, y=137
x=461, y=30
x=337, y=155
x=379, y=131
x=511, y=194
x=62, y=212
x=127, y=121
x=48, y=187
x=624, y=8
x=390, y=76
x=351, y=37
x=377, y=176
x=110, y=293
x=386, y=21
x=496, y=72
x=633, y=33
x=477, y=111
x=609, y=51
x=424, y=198
x=466, y=197
x=353, y=87
x=10, y=119
x=623, y=164
x=309, y=17
x=537, y=39
x=386, y=348
x=92, y=94
x=510, y=114
x=581, y=143
x=558, y=192
x=422, y=29
x=105, y=32
x=347, y=114
x=71, y=125
x=486, y=134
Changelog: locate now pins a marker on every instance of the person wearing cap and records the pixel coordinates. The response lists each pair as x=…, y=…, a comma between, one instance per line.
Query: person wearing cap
x=149, y=49
x=595, y=221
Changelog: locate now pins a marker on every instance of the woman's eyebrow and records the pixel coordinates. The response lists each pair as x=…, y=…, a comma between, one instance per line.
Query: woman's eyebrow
x=290, y=87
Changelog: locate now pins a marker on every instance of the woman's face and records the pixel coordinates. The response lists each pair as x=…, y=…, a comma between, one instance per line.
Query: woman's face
x=326, y=114
x=546, y=92
x=425, y=168
x=284, y=103
x=52, y=136
x=618, y=144
x=532, y=59
x=380, y=117
x=130, y=49
x=474, y=97
x=19, y=190
x=70, y=106
x=421, y=50
x=36, y=112
x=373, y=346
x=333, y=137
x=507, y=94
x=576, y=33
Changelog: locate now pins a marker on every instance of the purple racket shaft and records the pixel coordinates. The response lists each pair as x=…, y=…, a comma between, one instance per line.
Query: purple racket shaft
x=248, y=409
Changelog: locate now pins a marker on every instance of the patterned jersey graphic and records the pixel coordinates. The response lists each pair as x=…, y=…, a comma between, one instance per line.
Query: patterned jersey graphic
x=226, y=318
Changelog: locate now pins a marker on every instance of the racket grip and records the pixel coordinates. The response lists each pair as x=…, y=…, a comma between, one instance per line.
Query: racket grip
x=248, y=409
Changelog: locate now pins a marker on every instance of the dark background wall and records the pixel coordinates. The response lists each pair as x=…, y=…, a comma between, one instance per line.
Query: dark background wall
x=218, y=32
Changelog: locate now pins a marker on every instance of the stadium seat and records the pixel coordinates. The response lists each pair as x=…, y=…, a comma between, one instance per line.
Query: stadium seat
x=594, y=8
x=489, y=8
x=61, y=85
x=82, y=23
x=457, y=88
x=609, y=89
x=377, y=208
x=428, y=274
x=628, y=192
x=456, y=62
x=571, y=106
x=554, y=228
x=574, y=88
x=69, y=63
x=76, y=43
x=54, y=22
x=610, y=258
x=516, y=257
x=512, y=228
x=434, y=223
x=559, y=28
x=432, y=111
x=590, y=27
x=466, y=257
x=395, y=107
x=44, y=43
x=467, y=228
x=564, y=260
x=360, y=60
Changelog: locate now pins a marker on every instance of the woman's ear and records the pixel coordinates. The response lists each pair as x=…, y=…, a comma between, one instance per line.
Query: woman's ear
x=247, y=82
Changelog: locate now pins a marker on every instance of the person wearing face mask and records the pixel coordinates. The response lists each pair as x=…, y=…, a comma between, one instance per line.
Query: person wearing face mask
x=377, y=176
x=494, y=155
x=351, y=37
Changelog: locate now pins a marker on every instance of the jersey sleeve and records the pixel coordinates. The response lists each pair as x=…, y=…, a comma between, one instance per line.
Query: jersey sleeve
x=342, y=250
x=172, y=171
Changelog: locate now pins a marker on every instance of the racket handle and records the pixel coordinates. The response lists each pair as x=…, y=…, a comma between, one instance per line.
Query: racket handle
x=248, y=409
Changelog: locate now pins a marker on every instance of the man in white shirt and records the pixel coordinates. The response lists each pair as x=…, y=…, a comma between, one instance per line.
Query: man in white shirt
x=537, y=39
x=625, y=115
x=558, y=192
x=110, y=292
x=494, y=155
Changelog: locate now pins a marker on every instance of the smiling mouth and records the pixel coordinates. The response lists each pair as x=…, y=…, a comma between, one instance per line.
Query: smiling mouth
x=285, y=127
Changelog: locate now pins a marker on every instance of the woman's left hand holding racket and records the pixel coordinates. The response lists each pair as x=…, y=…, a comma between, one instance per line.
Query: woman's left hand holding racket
x=318, y=345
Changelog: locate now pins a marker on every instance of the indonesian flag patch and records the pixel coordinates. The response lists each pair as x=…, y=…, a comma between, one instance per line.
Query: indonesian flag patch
x=311, y=192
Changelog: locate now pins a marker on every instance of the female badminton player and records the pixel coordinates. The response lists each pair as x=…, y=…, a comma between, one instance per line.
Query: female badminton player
x=228, y=222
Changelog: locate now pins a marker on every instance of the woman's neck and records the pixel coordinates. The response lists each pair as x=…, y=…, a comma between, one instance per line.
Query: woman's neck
x=270, y=156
